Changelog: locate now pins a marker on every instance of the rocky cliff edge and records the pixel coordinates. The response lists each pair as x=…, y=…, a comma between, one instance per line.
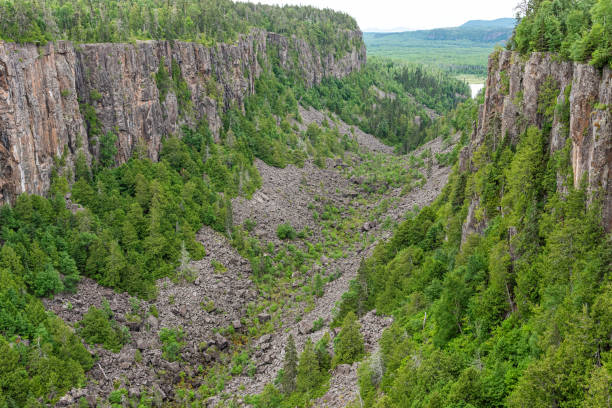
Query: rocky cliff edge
x=517, y=89
x=43, y=91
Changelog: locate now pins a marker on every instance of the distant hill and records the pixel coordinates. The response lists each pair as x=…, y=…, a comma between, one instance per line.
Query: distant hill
x=474, y=30
x=500, y=22
x=463, y=49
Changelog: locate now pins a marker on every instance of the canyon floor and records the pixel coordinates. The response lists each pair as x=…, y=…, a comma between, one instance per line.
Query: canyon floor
x=223, y=293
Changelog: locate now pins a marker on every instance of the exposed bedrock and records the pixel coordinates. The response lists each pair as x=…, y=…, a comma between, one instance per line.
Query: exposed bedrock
x=516, y=91
x=43, y=91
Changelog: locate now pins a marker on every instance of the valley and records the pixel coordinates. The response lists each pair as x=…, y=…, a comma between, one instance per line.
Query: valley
x=210, y=203
x=221, y=294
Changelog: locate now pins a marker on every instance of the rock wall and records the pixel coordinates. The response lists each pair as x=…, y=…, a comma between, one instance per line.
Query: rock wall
x=41, y=89
x=514, y=93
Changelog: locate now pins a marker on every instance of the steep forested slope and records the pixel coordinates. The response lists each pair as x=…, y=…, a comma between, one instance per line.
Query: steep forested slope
x=381, y=98
x=501, y=289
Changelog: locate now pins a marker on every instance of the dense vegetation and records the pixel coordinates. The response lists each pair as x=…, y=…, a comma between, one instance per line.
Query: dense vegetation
x=203, y=21
x=461, y=50
x=128, y=226
x=577, y=29
x=518, y=316
x=384, y=98
x=42, y=358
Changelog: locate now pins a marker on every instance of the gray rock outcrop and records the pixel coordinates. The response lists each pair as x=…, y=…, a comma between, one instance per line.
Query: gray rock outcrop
x=513, y=101
x=43, y=91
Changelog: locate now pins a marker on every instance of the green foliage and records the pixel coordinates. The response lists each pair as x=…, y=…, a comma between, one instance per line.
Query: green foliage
x=162, y=80
x=318, y=286
x=116, y=397
x=575, y=29
x=108, y=149
x=299, y=382
x=172, y=343
x=42, y=357
x=547, y=98
x=22, y=21
x=348, y=345
x=324, y=359
x=285, y=231
x=240, y=362
x=385, y=97
x=126, y=21
x=308, y=371
x=94, y=126
x=512, y=317
x=174, y=83
x=97, y=327
x=459, y=50
x=289, y=374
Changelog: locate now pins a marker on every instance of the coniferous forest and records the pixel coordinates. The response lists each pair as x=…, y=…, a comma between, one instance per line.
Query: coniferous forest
x=577, y=30
x=516, y=314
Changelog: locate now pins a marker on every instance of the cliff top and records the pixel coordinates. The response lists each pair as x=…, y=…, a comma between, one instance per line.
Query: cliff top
x=203, y=21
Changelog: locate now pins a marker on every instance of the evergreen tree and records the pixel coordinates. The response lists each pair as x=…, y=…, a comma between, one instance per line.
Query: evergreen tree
x=288, y=380
x=323, y=356
x=348, y=345
x=308, y=372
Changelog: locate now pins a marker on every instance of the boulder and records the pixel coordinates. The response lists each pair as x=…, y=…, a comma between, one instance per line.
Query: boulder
x=152, y=322
x=221, y=342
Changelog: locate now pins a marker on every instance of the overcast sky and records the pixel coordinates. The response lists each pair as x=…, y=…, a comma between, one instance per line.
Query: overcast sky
x=412, y=14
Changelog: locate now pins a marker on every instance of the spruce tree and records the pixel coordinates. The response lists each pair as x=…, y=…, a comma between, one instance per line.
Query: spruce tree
x=348, y=345
x=288, y=380
x=308, y=374
x=323, y=357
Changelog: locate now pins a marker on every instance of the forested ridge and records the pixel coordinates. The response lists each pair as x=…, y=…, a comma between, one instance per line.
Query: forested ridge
x=461, y=50
x=405, y=91
x=204, y=21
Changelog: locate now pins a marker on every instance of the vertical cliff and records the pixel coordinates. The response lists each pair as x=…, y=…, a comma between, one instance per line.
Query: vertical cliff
x=573, y=100
x=45, y=91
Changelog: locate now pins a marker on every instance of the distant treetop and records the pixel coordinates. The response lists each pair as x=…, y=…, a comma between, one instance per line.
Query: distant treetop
x=204, y=21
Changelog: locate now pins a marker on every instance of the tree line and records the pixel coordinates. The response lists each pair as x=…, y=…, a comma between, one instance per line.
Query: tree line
x=204, y=21
x=580, y=30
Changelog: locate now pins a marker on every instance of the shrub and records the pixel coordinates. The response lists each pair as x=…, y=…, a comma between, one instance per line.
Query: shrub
x=96, y=327
x=172, y=343
x=47, y=281
x=318, y=324
x=285, y=231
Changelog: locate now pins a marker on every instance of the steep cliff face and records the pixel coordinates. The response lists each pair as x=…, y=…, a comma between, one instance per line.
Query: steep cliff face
x=518, y=96
x=42, y=88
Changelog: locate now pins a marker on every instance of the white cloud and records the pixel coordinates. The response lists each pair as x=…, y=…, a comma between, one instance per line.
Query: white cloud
x=413, y=14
